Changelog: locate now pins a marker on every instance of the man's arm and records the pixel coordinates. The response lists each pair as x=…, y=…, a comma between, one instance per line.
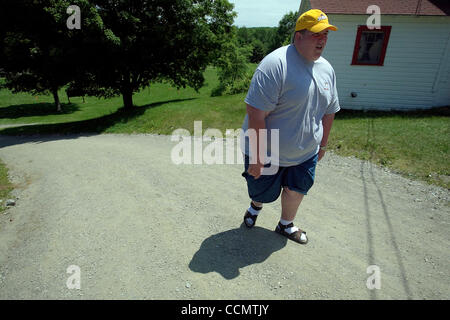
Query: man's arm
x=256, y=121
x=327, y=123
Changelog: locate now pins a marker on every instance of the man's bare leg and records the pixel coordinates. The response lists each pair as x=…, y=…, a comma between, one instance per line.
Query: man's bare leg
x=258, y=204
x=290, y=201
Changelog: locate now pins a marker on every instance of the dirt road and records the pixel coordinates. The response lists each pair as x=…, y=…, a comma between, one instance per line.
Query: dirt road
x=117, y=212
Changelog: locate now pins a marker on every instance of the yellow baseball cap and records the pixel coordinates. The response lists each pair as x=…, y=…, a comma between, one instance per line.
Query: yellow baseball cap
x=314, y=20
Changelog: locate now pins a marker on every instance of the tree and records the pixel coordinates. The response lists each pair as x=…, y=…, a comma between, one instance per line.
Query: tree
x=258, y=51
x=2, y=36
x=123, y=45
x=39, y=52
x=243, y=36
x=158, y=40
x=232, y=67
x=286, y=27
x=260, y=38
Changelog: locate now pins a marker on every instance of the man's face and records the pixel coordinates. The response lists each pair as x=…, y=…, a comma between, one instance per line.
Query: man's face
x=312, y=44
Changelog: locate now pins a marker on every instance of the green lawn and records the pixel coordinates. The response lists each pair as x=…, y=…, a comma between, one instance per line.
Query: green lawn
x=159, y=109
x=414, y=144
x=5, y=186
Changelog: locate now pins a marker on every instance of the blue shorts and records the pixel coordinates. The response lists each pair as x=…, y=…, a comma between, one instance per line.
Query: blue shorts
x=267, y=188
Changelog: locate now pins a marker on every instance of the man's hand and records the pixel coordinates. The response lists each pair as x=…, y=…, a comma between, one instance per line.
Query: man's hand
x=255, y=170
x=327, y=122
x=321, y=154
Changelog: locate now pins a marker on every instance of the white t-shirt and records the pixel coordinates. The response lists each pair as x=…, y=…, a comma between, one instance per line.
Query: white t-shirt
x=298, y=93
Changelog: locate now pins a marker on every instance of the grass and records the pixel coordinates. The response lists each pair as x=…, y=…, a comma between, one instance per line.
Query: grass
x=415, y=144
x=5, y=186
x=159, y=109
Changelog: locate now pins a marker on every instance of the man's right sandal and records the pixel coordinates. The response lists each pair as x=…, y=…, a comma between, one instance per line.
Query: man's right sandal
x=297, y=236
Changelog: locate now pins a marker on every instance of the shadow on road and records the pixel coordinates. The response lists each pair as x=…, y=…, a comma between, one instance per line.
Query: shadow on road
x=227, y=252
x=369, y=222
x=373, y=114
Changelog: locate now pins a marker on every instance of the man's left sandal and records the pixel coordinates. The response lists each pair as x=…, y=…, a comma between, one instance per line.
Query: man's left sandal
x=295, y=236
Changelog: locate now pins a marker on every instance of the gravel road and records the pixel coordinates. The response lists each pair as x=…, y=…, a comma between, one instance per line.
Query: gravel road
x=137, y=226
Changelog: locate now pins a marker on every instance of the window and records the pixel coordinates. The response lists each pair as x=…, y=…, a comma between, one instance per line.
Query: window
x=370, y=46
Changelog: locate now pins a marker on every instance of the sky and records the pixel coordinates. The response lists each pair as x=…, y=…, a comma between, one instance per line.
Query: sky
x=262, y=13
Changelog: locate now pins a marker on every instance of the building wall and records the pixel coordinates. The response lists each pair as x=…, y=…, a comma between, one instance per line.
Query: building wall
x=442, y=85
x=415, y=73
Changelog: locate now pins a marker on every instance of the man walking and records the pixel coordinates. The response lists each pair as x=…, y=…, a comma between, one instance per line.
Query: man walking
x=294, y=91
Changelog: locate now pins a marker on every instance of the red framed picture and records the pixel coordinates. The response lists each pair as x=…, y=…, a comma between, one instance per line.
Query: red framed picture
x=370, y=46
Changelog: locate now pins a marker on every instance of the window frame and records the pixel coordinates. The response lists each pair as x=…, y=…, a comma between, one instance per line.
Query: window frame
x=361, y=28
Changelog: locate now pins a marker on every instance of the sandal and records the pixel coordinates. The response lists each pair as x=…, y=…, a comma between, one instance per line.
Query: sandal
x=295, y=236
x=252, y=218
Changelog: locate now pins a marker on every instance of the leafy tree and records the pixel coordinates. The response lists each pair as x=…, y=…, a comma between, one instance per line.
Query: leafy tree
x=158, y=40
x=260, y=39
x=232, y=68
x=244, y=36
x=258, y=51
x=123, y=45
x=2, y=36
x=285, y=29
x=39, y=52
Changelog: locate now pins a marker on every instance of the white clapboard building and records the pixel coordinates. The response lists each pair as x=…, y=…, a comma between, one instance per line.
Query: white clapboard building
x=403, y=65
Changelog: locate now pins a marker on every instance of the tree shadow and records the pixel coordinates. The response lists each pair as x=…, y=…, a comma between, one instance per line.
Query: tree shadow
x=36, y=110
x=96, y=125
x=160, y=103
x=425, y=113
x=227, y=252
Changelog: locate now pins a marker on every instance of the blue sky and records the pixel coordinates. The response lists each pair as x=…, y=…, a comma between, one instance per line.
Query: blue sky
x=262, y=13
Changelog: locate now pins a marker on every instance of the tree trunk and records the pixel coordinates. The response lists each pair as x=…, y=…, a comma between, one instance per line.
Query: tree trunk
x=127, y=99
x=56, y=97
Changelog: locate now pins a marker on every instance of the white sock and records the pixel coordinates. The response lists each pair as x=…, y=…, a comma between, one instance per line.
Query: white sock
x=252, y=209
x=285, y=222
x=291, y=229
x=253, y=212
